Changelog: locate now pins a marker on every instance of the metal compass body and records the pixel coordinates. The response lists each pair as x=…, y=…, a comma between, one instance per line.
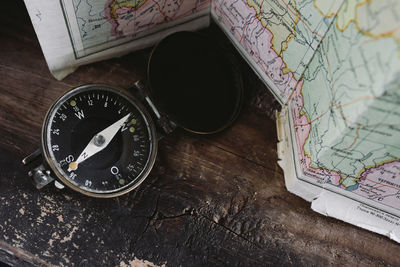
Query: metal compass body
x=98, y=141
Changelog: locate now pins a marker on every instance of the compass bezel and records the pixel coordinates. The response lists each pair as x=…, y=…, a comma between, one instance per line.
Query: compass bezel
x=143, y=112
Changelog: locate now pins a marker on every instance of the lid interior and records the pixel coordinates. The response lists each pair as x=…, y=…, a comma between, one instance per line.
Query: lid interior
x=195, y=82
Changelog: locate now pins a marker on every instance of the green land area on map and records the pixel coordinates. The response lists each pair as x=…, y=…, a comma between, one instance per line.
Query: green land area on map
x=336, y=68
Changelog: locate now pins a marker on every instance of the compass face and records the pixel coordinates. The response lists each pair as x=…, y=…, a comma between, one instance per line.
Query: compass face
x=98, y=141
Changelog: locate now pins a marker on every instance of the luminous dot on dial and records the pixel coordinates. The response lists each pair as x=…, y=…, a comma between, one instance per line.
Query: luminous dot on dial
x=72, y=103
x=121, y=181
x=73, y=166
x=133, y=121
x=132, y=129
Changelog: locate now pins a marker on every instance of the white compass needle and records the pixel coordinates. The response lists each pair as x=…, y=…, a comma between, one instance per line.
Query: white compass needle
x=99, y=142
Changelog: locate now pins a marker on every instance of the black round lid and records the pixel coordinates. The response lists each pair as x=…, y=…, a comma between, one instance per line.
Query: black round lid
x=195, y=82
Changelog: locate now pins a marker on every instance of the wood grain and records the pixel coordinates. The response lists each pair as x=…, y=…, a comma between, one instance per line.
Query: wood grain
x=211, y=200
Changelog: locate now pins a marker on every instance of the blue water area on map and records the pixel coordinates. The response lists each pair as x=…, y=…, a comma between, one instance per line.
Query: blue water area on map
x=353, y=187
x=326, y=21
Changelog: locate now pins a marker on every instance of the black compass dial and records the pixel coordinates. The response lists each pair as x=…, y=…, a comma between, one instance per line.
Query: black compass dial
x=99, y=141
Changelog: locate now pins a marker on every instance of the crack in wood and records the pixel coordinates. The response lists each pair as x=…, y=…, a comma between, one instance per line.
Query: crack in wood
x=18, y=257
x=236, y=234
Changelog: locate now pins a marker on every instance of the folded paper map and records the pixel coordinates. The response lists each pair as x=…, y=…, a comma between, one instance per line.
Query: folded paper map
x=77, y=32
x=333, y=65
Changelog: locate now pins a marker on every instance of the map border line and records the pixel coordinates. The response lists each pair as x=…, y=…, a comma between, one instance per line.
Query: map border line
x=66, y=19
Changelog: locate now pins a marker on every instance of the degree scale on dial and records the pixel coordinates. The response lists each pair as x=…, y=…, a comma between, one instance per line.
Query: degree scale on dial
x=75, y=132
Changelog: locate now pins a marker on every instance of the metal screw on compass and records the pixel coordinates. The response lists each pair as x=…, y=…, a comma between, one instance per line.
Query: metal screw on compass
x=102, y=141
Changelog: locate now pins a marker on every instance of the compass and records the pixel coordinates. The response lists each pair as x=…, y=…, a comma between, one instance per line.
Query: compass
x=102, y=141
x=98, y=141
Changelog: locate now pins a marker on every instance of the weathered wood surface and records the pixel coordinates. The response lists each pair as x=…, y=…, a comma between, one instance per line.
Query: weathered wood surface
x=216, y=200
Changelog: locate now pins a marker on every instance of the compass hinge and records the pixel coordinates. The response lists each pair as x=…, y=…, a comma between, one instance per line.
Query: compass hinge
x=167, y=125
x=162, y=120
x=41, y=176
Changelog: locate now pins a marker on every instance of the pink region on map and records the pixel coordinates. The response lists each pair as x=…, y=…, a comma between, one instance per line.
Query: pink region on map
x=132, y=20
x=256, y=40
x=302, y=131
x=381, y=184
x=248, y=30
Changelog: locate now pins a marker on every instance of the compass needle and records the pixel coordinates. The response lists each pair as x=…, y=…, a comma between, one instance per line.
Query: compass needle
x=99, y=142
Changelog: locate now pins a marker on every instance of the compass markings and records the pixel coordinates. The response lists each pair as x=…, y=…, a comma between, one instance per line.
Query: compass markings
x=80, y=114
x=80, y=111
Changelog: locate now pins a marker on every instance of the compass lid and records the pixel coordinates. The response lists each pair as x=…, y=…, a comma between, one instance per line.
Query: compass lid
x=195, y=82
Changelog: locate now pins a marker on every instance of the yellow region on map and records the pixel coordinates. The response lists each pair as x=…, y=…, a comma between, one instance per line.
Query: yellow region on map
x=117, y=4
x=282, y=26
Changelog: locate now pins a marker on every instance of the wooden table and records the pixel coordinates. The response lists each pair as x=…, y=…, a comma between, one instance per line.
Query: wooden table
x=210, y=200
